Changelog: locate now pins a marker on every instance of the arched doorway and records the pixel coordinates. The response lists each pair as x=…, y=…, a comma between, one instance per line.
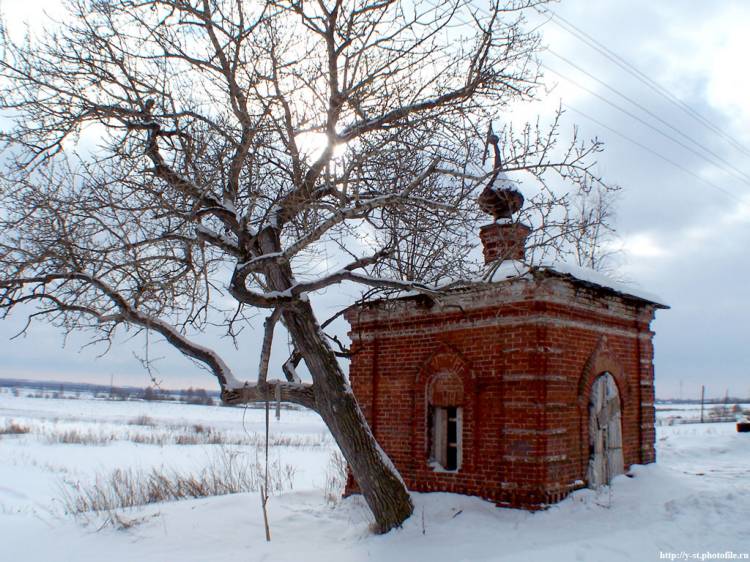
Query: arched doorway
x=605, y=432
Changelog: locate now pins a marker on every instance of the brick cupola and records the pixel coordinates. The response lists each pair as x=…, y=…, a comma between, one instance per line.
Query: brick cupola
x=504, y=241
x=505, y=237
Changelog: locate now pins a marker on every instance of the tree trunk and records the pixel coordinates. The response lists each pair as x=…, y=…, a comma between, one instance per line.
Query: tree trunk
x=376, y=476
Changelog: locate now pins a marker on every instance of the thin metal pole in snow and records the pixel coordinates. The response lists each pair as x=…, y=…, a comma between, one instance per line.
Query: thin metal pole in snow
x=703, y=397
x=277, y=392
x=264, y=488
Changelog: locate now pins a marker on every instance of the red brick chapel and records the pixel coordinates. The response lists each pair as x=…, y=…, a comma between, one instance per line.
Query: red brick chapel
x=518, y=390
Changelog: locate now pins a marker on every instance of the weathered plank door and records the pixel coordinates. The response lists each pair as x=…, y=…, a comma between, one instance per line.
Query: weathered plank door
x=605, y=432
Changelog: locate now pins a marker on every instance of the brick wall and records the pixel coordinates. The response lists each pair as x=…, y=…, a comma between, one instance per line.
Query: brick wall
x=519, y=359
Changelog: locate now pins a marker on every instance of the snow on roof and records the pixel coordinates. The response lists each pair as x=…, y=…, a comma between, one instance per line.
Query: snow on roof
x=510, y=269
x=514, y=269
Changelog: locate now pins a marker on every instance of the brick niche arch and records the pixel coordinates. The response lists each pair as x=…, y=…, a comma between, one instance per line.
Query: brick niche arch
x=602, y=360
x=445, y=379
x=444, y=360
x=445, y=388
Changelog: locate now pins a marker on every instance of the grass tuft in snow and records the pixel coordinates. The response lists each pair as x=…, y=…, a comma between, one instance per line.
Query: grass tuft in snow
x=79, y=437
x=148, y=434
x=143, y=420
x=13, y=428
x=228, y=472
x=335, y=478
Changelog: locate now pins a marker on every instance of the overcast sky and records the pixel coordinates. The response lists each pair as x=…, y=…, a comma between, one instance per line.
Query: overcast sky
x=684, y=223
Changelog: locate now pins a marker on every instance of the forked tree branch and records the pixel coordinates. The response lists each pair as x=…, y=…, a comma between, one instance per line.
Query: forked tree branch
x=233, y=391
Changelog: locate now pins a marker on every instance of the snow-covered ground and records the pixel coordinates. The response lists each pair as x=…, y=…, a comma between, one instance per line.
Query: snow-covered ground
x=695, y=500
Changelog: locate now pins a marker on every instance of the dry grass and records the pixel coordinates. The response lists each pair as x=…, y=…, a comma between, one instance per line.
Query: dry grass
x=77, y=436
x=336, y=474
x=143, y=420
x=145, y=431
x=13, y=428
x=159, y=438
x=181, y=435
x=228, y=472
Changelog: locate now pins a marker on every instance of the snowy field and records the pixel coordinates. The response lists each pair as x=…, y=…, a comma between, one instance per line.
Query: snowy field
x=696, y=500
x=673, y=414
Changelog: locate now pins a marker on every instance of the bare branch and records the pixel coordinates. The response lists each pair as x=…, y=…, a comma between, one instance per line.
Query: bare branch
x=265, y=351
x=294, y=392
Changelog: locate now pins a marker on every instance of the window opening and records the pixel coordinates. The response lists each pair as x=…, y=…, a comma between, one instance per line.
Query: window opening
x=445, y=432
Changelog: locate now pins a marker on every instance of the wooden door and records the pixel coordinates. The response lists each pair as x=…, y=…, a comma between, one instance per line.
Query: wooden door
x=605, y=432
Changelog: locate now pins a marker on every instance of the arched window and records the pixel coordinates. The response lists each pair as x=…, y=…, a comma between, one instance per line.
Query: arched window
x=445, y=437
x=445, y=422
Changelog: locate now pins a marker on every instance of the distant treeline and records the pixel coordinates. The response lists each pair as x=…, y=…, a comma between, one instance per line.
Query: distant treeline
x=57, y=389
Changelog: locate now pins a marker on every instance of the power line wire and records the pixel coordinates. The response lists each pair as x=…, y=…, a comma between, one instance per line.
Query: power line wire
x=652, y=151
x=640, y=76
x=728, y=167
x=654, y=86
x=644, y=109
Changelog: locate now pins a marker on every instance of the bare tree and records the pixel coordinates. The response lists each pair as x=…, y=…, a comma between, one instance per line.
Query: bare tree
x=167, y=157
x=591, y=234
